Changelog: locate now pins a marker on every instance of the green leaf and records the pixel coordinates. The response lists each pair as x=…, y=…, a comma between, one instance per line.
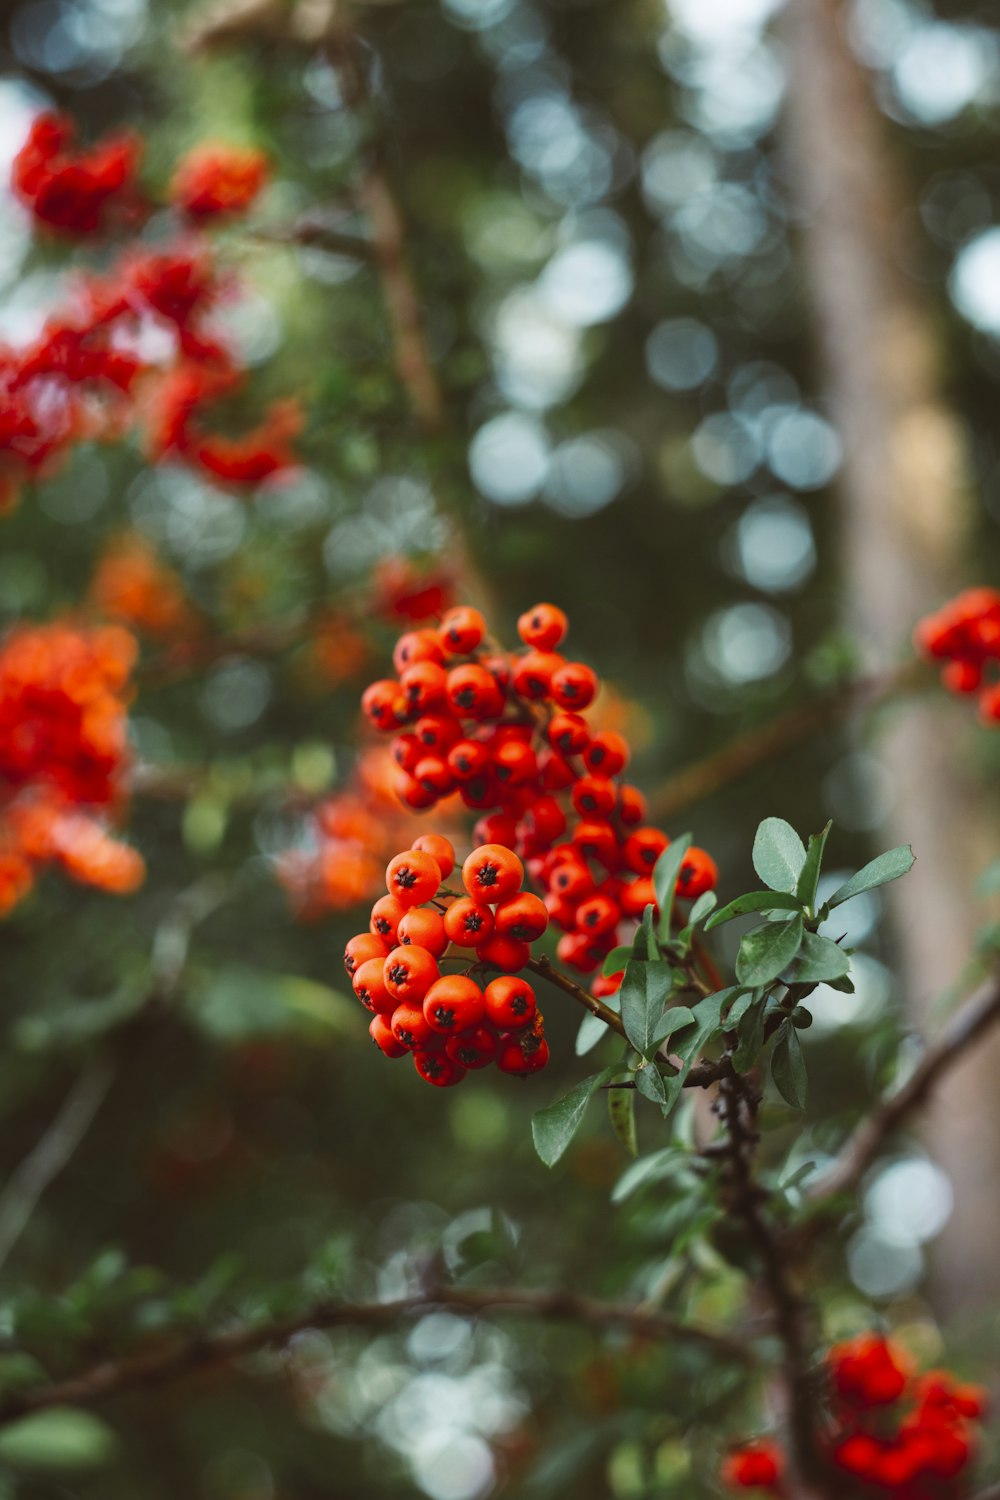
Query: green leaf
x=703, y=907
x=644, y=945
x=665, y=874
x=645, y=990
x=592, y=1029
x=621, y=1113
x=616, y=960
x=553, y=1128
x=753, y=901
x=751, y=1036
x=820, y=960
x=767, y=950
x=706, y=1017
x=879, y=871
x=809, y=879
x=788, y=1067
x=674, y=1019
x=650, y=1085
x=665, y=1163
x=778, y=855
x=59, y=1439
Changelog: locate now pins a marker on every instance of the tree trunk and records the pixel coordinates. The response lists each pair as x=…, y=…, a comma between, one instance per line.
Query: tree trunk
x=905, y=513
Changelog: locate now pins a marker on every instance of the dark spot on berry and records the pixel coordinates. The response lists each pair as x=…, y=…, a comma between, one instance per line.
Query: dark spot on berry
x=406, y=1037
x=444, y=1016
x=350, y=964
x=467, y=1056
x=433, y=1066
x=519, y=1004
x=384, y=926
x=366, y=1000
x=487, y=874
x=405, y=940
x=405, y=877
x=597, y=754
x=649, y=857
x=399, y=973
x=473, y=922
x=519, y=932
x=466, y=697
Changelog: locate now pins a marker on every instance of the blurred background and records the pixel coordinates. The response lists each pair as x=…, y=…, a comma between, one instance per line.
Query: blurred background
x=712, y=291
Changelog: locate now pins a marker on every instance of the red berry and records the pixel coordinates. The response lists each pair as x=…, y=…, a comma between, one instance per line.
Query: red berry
x=433, y=774
x=461, y=631
x=467, y=758
x=384, y=704
x=543, y=627
x=510, y=1002
x=437, y=732
x=468, y=923
x=643, y=848
x=568, y=733
x=424, y=927
x=385, y=919
x=412, y=793
x=698, y=873
x=492, y=874
x=574, y=686
x=454, y=1003
x=410, y=1028
x=473, y=693
x=594, y=796
x=631, y=806
x=505, y=953
x=413, y=877
x=637, y=896
x=380, y=1032
x=406, y=751
x=440, y=850
x=607, y=754
x=368, y=982
x=475, y=1048
x=366, y=945
x=521, y=1056
x=424, y=686
x=439, y=1069
x=598, y=914
x=409, y=972
x=522, y=917
x=497, y=828
x=414, y=646
x=571, y=880
x=514, y=764
x=532, y=674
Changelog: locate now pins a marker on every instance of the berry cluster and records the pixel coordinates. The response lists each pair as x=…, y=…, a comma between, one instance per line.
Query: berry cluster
x=131, y=586
x=965, y=634
x=63, y=755
x=890, y=1432
x=449, y=1022
x=506, y=735
x=88, y=376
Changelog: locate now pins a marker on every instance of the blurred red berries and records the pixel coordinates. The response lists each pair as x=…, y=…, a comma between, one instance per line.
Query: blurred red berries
x=214, y=178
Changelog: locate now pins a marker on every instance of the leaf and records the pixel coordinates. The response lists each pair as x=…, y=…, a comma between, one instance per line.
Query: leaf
x=616, y=961
x=706, y=903
x=767, y=950
x=751, y=1037
x=645, y=990
x=788, y=1067
x=809, y=878
x=61, y=1438
x=591, y=1031
x=644, y=946
x=753, y=901
x=820, y=960
x=661, y=1164
x=649, y=1083
x=553, y=1128
x=778, y=855
x=621, y=1113
x=706, y=1017
x=879, y=871
x=665, y=874
x=674, y=1019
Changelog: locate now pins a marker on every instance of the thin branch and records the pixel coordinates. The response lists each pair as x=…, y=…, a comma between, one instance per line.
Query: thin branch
x=53, y=1150
x=775, y=738
x=959, y=1033
x=160, y=1366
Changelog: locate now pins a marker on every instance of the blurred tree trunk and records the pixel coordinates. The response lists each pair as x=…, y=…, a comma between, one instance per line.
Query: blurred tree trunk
x=905, y=516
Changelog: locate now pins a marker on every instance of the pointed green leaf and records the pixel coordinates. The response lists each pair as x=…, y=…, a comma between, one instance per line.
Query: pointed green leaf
x=650, y=1084
x=751, y=1036
x=644, y=946
x=778, y=855
x=753, y=901
x=788, y=1067
x=645, y=991
x=616, y=961
x=809, y=879
x=674, y=1019
x=553, y=1128
x=879, y=871
x=665, y=875
x=592, y=1030
x=767, y=951
x=706, y=1018
x=665, y=1163
x=820, y=960
x=621, y=1112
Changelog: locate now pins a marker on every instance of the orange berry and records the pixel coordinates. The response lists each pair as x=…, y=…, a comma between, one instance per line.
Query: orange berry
x=492, y=874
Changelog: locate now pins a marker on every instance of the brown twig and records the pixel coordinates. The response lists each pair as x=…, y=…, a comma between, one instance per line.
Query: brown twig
x=960, y=1031
x=775, y=738
x=159, y=1366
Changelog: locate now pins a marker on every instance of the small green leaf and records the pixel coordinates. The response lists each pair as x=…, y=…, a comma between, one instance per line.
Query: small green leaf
x=621, y=1113
x=665, y=1163
x=753, y=901
x=778, y=855
x=665, y=875
x=706, y=1017
x=591, y=1031
x=809, y=879
x=820, y=960
x=788, y=1067
x=60, y=1439
x=645, y=991
x=879, y=871
x=751, y=1036
x=553, y=1128
x=616, y=961
x=705, y=904
x=767, y=951
x=674, y=1019
x=650, y=1085
x=644, y=945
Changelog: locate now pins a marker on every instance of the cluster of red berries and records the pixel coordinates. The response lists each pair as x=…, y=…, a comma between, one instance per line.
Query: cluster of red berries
x=890, y=1432
x=450, y=1023
x=506, y=735
x=63, y=756
x=87, y=377
x=965, y=634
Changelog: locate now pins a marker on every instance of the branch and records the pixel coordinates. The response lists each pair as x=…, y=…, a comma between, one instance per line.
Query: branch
x=160, y=1366
x=965, y=1027
x=52, y=1151
x=775, y=738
